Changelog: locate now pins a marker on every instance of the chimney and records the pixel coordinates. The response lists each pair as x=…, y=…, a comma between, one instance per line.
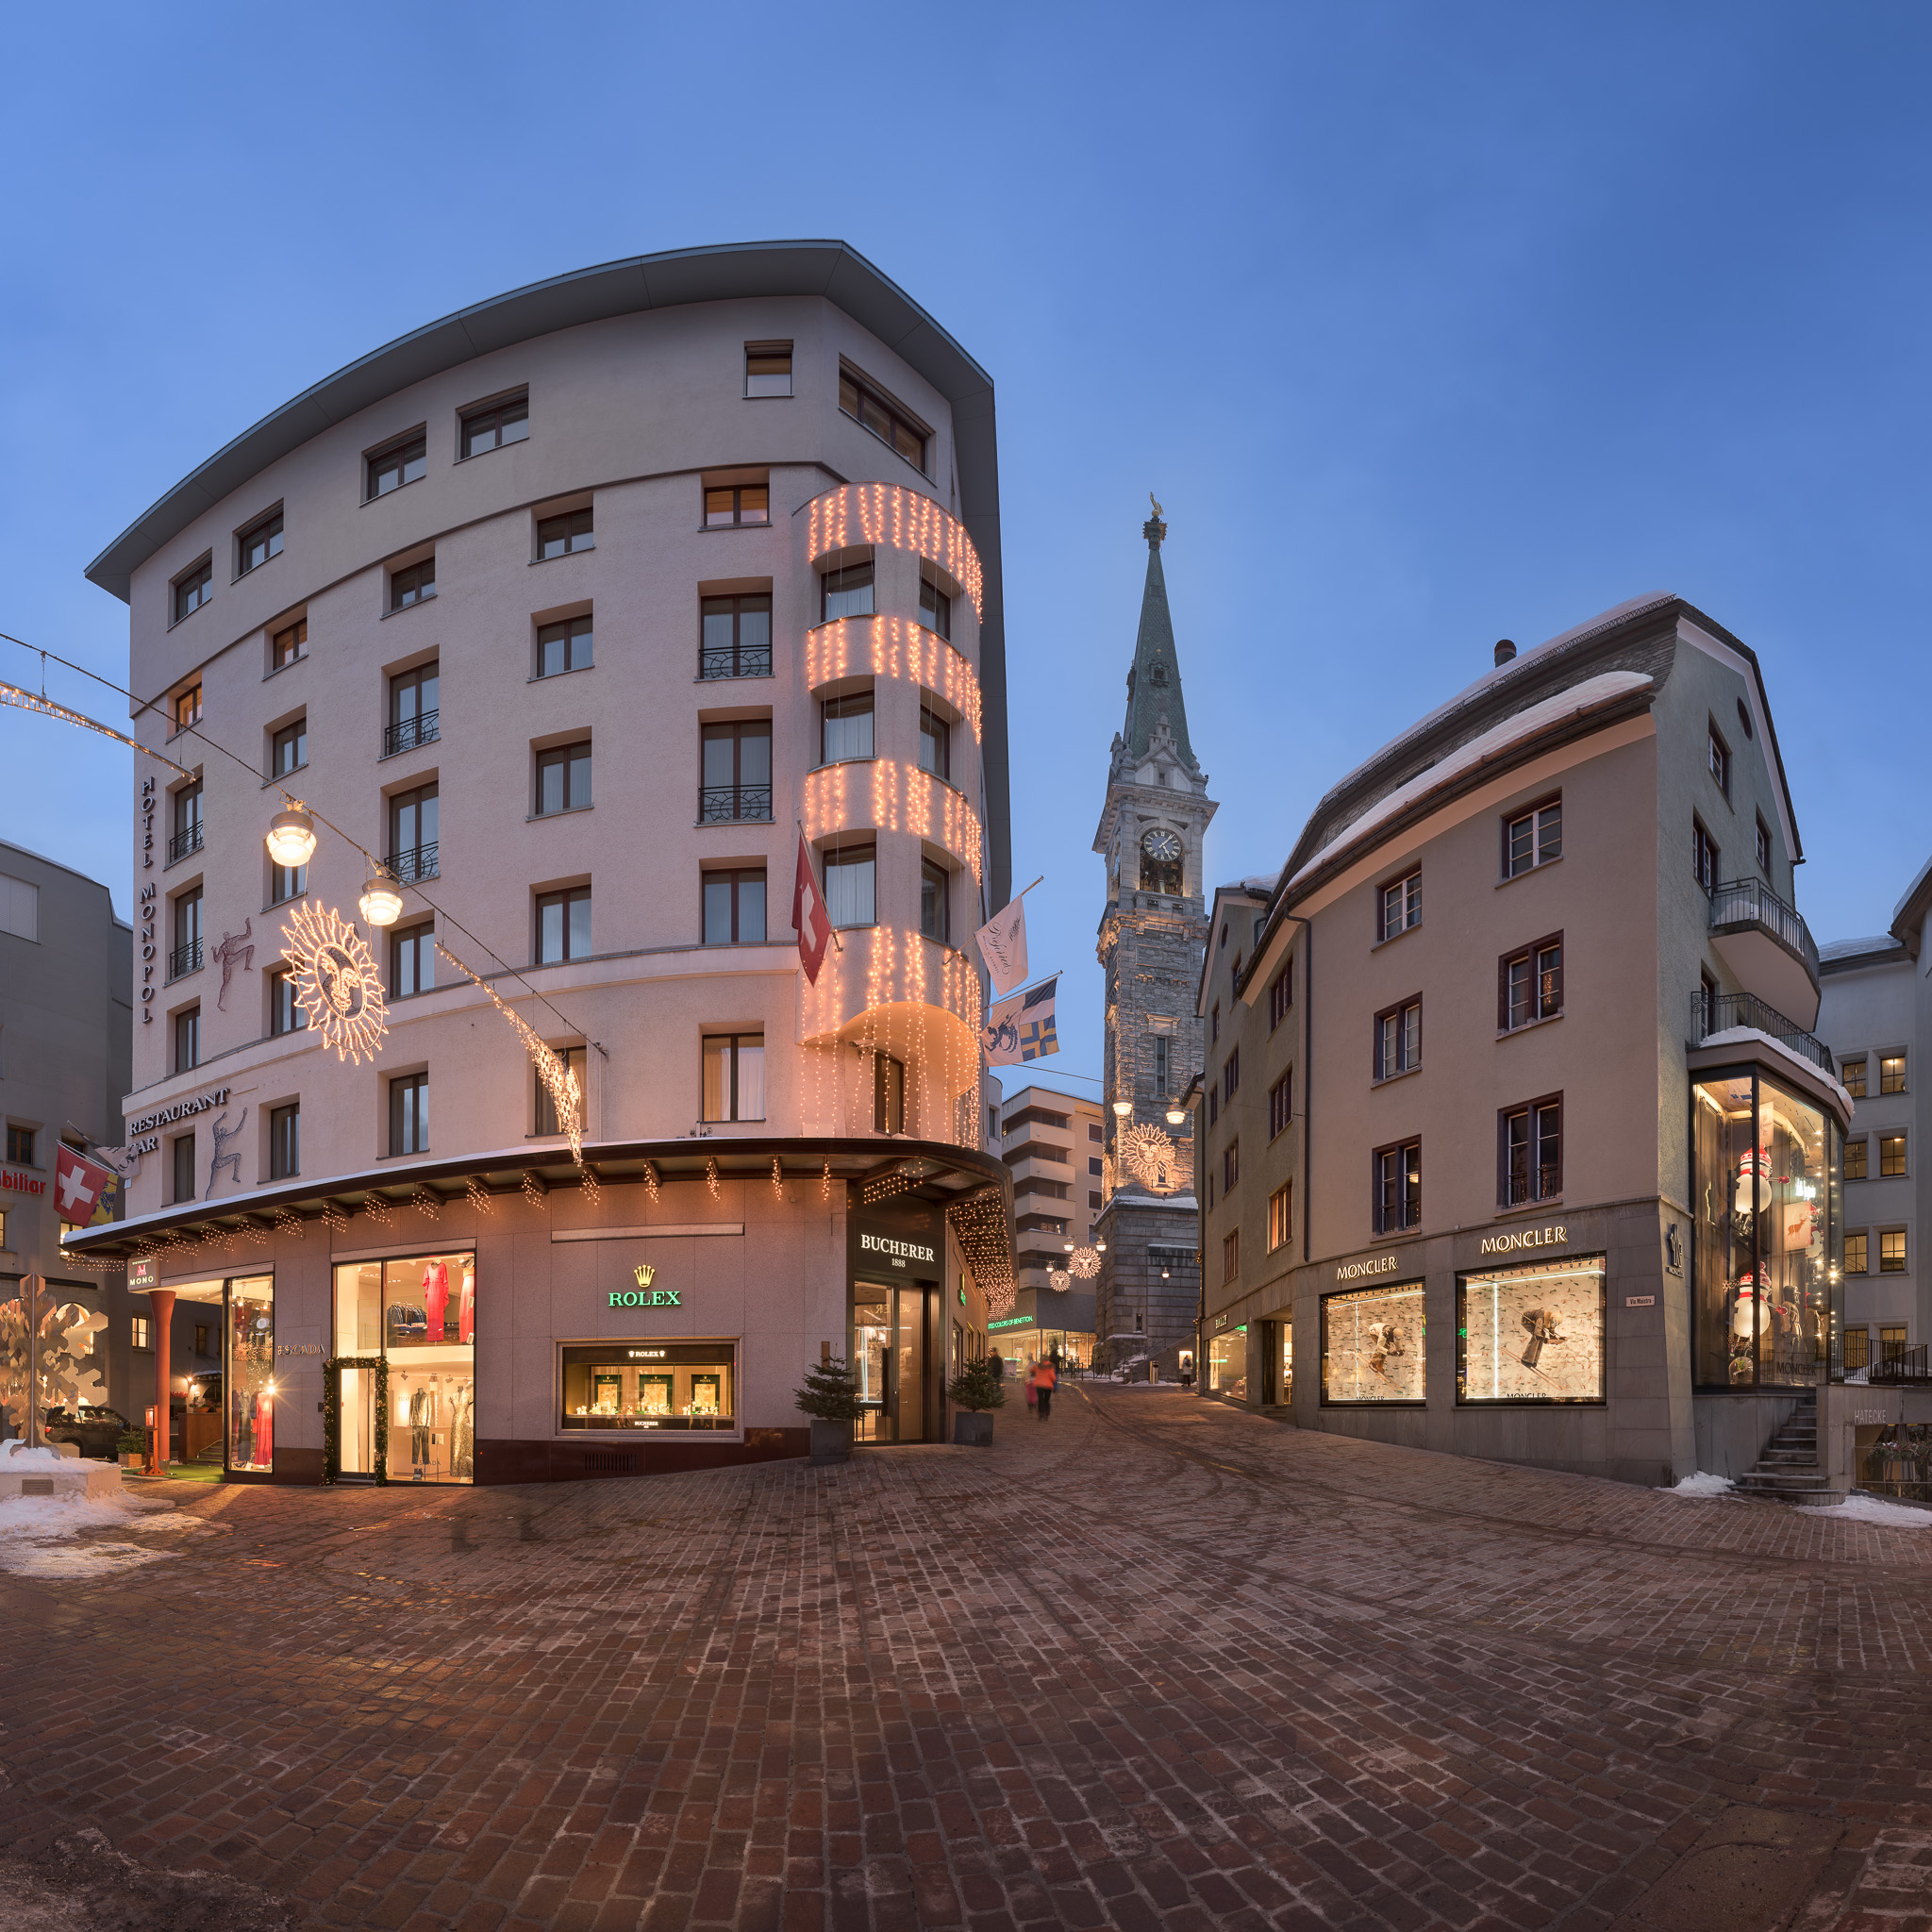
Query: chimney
x=1505, y=651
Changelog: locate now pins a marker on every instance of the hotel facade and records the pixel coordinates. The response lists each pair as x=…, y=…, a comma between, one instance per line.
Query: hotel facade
x=1515, y=1140
x=646, y=572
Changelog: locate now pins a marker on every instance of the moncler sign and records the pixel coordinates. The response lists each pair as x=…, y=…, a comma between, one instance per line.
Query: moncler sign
x=1525, y=1238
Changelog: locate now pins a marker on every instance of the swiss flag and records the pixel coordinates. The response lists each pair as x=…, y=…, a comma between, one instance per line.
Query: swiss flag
x=808, y=915
x=78, y=1185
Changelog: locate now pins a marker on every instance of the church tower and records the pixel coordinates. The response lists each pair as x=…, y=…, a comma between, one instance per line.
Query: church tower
x=1152, y=938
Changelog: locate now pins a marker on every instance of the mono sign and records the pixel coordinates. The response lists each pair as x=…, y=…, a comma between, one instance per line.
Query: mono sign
x=1525, y=1238
x=1356, y=1270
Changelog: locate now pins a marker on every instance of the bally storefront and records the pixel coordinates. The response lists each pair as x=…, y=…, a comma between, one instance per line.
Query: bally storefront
x=497, y=1323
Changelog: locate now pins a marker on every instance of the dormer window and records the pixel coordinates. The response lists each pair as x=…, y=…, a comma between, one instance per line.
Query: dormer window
x=1158, y=675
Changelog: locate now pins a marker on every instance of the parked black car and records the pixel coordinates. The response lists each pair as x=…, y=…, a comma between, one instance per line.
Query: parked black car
x=97, y=1431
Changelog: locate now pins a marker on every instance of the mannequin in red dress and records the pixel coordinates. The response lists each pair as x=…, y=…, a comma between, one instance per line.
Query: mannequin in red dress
x=436, y=1297
x=265, y=1432
x=466, y=1313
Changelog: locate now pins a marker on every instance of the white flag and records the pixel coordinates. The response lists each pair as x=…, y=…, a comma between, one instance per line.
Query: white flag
x=1003, y=945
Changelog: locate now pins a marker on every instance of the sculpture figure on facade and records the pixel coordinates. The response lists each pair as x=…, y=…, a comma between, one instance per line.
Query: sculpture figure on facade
x=226, y=1156
x=236, y=949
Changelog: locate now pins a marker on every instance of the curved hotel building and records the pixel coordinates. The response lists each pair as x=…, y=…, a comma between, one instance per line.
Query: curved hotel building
x=649, y=573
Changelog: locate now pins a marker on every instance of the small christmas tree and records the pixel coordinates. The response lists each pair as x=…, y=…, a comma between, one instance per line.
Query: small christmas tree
x=976, y=1388
x=829, y=1392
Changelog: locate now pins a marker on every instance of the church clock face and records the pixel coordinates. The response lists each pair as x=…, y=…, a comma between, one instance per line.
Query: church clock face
x=1160, y=861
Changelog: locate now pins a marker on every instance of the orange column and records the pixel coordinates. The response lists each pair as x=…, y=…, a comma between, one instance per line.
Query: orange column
x=162, y=1302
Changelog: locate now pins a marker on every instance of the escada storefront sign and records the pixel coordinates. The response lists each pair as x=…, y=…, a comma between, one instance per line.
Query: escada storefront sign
x=1358, y=1271
x=1525, y=1238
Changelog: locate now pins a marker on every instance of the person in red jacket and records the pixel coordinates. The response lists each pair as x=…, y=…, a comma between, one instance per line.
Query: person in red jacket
x=1046, y=1380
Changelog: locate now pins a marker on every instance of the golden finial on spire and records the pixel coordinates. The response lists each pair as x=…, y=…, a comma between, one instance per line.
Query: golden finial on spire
x=1157, y=511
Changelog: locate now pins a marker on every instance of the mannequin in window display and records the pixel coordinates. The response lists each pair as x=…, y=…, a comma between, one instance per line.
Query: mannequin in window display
x=462, y=1432
x=466, y=1316
x=436, y=1296
x=1385, y=1339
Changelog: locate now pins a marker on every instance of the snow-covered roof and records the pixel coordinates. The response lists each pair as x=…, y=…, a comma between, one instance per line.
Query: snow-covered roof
x=1523, y=664
x=1742, y=1036
x=1592, y=694
x=1847, y=949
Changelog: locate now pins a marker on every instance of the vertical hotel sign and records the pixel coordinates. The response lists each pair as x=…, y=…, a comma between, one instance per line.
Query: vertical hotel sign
x=147, y=901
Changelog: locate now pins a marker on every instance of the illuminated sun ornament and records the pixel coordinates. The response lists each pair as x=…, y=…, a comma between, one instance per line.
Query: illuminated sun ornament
x=1085, y=1262
x=1059, y=1280
x=337, y=982
x=1150, y=1154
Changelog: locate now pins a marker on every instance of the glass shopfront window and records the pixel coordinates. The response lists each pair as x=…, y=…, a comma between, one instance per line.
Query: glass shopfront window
x=415, y=1316
x=1766, y=1249
x=250, y=1379
x=1371, y=1344
x=649, y=1385
x=1227, y=1364
x=1531, y=1334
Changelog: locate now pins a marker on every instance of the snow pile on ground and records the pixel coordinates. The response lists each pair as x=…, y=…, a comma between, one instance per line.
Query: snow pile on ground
x=42, y=1536
x=1860, y=1507
x=14, y=1454
x=1701, y=1485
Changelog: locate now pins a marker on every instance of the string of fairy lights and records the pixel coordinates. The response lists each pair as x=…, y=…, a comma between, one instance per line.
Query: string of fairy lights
x=337, y=982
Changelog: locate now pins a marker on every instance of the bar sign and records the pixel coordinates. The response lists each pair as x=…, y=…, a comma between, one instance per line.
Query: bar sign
x=1639, y=1301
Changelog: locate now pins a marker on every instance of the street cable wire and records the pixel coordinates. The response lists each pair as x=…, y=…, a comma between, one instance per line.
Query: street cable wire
x=375, y=864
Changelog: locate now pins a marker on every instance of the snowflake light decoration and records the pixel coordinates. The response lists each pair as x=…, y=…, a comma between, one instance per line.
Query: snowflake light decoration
x=64, y=1355
x=1149, y=1154
x=1085, y=1262
x=337, y=982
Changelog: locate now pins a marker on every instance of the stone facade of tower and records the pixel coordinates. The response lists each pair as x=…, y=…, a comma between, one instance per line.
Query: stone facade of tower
x=1153, y=935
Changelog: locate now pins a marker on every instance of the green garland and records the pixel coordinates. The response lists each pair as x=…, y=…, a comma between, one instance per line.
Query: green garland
x=332, y=1414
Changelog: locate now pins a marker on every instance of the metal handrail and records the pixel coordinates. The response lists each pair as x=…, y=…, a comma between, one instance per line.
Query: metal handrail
x=184, y=841
x=1750, y=902
x=185, y=960
x=1719, y=1013
x=424, y=728
x=723, y=804
x=419, y=862
x=1902, y=1362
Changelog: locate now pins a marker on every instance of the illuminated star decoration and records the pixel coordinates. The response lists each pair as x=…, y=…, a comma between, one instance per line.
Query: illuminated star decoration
x=559, y=1082
x=337, y=982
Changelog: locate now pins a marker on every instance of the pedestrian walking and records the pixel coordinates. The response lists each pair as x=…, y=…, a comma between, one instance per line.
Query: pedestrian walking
x=1045, y=1379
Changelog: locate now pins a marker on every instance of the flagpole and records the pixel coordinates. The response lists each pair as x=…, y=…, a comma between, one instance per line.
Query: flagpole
x=1022, y=892
x=819, y=880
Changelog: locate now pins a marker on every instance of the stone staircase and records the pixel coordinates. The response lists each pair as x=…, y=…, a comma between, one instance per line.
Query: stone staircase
x=1788, y=1471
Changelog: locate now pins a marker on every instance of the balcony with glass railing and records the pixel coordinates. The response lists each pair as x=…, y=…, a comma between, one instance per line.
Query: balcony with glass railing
x=1767, y=945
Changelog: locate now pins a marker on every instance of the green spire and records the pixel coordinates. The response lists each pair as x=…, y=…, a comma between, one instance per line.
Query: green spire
x=1154, y=685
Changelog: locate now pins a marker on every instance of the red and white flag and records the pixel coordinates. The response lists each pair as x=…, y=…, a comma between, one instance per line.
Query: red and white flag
x=808, y=915
x=78, y=1185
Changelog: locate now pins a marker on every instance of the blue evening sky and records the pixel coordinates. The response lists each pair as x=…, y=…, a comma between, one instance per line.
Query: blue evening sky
x=1429, y=324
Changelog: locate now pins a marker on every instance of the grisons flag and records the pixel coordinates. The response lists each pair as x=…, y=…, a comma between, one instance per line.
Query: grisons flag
x=1021, y=1029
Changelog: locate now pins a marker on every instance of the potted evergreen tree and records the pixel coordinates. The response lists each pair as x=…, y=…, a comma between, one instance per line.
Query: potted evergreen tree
x=131, y=1445
x=975, y=1391
x=830, y=1398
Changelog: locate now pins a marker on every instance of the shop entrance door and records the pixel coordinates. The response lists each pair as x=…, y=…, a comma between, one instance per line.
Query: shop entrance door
x=358, y=1421
x=892, y=1359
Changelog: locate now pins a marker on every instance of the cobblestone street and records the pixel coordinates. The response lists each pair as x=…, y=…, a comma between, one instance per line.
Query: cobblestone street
x=1154, y=1663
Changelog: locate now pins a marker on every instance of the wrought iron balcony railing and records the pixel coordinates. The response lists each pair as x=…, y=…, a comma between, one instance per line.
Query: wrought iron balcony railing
x=1750, y=902
x=1719, y=1012
x=1396, y=1217
x=411, y=732
x=184, y=841
x=724, y=805
x=1902, y=1362
x=1523, y=1186
x=418, y=863
x=736, y=660
x=185, y=960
